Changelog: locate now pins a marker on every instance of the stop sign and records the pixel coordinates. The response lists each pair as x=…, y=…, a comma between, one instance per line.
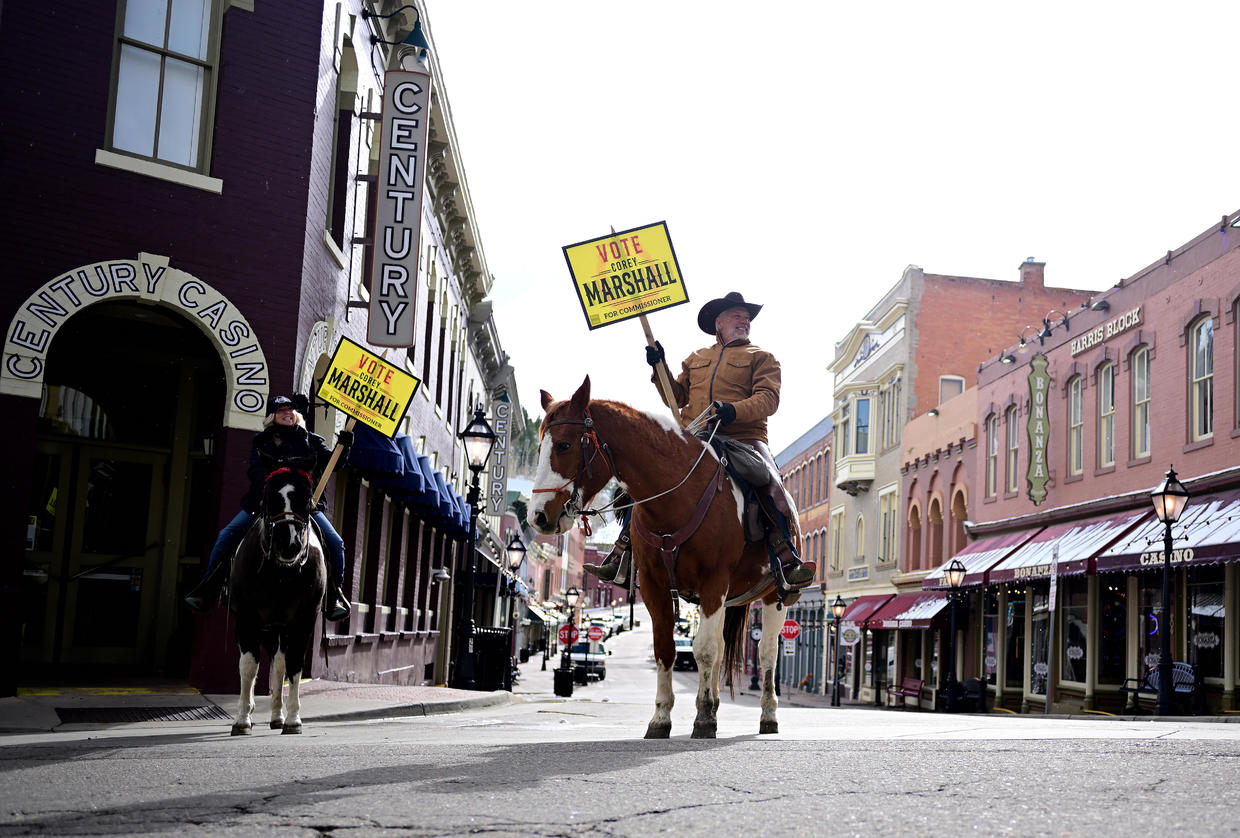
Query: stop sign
x=595, y=634
x=790, y=630
x=568, y=633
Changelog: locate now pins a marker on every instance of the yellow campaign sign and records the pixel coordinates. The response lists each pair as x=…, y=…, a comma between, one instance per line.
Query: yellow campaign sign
x=626, y=274
x=368, y=388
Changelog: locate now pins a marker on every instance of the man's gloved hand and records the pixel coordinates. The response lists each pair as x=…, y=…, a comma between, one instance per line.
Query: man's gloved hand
x=725, y=412
x=345, y=438
x=654, y=354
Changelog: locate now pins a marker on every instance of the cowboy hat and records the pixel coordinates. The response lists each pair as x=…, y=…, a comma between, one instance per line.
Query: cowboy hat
x=708, y=313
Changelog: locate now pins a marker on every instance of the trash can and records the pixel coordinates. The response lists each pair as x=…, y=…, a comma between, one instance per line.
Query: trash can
x=524, y=656
x=564, y=682
x=492, y=647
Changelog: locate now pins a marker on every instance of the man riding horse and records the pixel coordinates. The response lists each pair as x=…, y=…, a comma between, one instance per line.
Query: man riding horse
x=740, y=382
x=284, y=437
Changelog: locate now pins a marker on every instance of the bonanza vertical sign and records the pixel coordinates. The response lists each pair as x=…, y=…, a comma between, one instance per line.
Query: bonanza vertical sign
x=398, y=207
x=626, y=274
x=1038, y=428
x=497, y=484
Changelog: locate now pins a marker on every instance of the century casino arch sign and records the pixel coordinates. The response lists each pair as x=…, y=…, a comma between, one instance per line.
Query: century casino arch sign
x=147, y=279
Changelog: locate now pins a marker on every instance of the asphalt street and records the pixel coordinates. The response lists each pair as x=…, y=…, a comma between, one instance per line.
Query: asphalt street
x=548, y=766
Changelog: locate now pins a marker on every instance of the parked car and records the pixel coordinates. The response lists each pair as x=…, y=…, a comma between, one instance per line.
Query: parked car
x=593, y=661
x=619, y=622
x=684, y=654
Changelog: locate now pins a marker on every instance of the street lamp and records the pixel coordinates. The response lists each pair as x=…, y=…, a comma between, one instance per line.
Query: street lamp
x=572, y=596
x=954, y=573
x=1169, y=499
x=837, y=611
x=478, y=439
x=516, y=555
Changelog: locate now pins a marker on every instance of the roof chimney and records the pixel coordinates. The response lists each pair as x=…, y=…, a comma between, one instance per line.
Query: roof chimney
x=1033, y=273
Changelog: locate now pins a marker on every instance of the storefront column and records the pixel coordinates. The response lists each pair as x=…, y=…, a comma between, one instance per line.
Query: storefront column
x=1231, y=632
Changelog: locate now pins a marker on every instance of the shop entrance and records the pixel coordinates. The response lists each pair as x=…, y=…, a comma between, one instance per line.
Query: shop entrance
x=120, y=507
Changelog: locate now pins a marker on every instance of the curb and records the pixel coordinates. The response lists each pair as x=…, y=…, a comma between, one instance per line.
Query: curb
x=421, y=708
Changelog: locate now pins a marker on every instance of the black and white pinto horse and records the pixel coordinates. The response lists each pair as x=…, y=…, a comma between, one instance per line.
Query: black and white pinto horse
x=278, y=579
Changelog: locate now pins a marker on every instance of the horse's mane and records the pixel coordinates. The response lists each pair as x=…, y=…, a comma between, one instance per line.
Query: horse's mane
x=651, y=430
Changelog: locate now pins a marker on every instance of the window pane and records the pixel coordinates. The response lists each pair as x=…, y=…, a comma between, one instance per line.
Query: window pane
x=191, y=25
x=1014, y=645
x=1203, y=363
x=1206, y=610
x=145, y=20
x=137, y=89
x=863, y=426
x=1039, y=638
x=182, y=112
x=1075, y=593
x=1112, y=627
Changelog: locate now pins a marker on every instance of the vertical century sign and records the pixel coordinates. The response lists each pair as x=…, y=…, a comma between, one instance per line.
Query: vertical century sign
x=497, y=484
x=398, y=207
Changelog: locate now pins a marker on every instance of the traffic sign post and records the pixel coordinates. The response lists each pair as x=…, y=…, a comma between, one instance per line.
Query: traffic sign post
x=568, y=634
x=595, y=634
x=790, y=630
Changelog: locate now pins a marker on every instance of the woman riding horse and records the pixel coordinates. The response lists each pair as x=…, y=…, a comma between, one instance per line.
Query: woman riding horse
x=284, y=437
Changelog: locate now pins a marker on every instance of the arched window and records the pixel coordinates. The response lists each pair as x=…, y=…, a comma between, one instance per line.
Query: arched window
x=1141, y=402
x=860, y=558
x=1201, y=379
x=1013, y=449
x=1106, y=415
x=912, y=560
x=1076, y=427
x=959, y=513
x=934, y=519
x=992, y=453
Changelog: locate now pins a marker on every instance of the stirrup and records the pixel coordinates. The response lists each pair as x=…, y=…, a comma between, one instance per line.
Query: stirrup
x=339, y=608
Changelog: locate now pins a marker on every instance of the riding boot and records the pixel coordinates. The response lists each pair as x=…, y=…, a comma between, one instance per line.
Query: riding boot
x=336, y=604
x=206, y=594
x=797, y=573
x=608, y=570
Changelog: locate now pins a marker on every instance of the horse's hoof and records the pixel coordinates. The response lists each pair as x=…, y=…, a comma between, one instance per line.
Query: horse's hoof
x=241, y=730
x=704, y=730
x=276, y=724
x=658, y=731
x=768, y=727
x=293, y=728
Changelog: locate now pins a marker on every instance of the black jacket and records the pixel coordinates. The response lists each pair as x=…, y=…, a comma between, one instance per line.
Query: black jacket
x=276, y=443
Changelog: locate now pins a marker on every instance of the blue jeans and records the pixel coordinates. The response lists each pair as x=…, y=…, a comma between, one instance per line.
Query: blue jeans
x=230, y=537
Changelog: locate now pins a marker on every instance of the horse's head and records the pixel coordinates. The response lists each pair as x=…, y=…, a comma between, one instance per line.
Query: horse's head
x=571, y=466
x=286, y=512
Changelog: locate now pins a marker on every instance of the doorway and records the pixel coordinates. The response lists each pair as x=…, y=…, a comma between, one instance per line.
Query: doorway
x=120, y=510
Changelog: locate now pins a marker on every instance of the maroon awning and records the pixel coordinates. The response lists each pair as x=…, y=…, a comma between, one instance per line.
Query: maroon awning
x=1071, y=546
x=1207, y=533
x=862, y=607
x=979, y=557
x=911, y=610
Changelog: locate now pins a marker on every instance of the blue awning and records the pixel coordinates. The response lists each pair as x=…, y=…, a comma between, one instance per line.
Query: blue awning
x=446, y=507
x=409, y=486
x=430, y=493
x=374, y=454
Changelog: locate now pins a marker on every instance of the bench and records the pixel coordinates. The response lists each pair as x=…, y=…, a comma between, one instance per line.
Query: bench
x=909, y=688
x=1183, y=683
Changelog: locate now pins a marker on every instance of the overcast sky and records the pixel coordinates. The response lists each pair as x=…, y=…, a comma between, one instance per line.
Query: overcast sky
x=805, y=153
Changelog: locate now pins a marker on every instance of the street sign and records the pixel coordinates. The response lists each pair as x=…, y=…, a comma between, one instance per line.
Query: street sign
x=595, y=634
x=790, y=630
x=850, y=636
x=755, y=634
x=568, y=633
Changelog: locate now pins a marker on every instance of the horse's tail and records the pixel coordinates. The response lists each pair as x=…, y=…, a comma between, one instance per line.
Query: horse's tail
x=734, y=619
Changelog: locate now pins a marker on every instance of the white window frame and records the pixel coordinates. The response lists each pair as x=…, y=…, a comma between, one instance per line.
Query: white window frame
x=1106, y=415
x=1140, y=402
x=1076, y=426
x=837, y=538
x=889, y=522
x=1201, y=381
x=992, y=454
x=1011, y=458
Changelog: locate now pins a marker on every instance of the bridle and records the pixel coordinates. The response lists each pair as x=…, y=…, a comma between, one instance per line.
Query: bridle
x=299, y=522
x=591, y=447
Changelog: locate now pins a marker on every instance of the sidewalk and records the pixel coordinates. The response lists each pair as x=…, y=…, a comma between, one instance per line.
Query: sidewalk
x=79, y=708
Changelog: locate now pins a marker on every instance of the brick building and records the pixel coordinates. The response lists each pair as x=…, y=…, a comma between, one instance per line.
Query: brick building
x=179, y=261
x=916, y=349
x=1076, y=425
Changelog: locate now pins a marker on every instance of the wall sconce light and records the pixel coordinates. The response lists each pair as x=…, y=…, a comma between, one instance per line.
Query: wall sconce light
x=415, y=39
x=1100, y=305
x=440, y=575
x=1025, y=336
x=934, y=411
x=1046, y=322
x=1008, y=359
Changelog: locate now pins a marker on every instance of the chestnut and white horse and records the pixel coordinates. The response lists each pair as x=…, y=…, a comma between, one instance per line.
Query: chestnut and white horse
x=278, y=579
x=704, y=555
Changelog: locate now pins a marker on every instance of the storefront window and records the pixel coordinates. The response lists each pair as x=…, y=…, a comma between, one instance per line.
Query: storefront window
x=1112, y=628
x=990, y=637
x=1074, y=599
x=1206, y=608
x=1039, y=638
x=1014, y=625
x=934, y=655
x=1151, y=619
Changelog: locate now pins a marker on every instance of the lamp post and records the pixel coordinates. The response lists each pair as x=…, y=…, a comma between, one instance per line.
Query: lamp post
x=954, y=573
x=837, y=611
x=1169, y=499
x=478, y=439
x=571, y=596
x=516, y=555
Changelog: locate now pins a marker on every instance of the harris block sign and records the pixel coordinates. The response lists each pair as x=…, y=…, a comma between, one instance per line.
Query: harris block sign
x=368, y=388
x=626, y=274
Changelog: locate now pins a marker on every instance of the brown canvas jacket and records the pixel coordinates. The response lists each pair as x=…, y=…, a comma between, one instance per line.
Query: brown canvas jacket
x=740, y=373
